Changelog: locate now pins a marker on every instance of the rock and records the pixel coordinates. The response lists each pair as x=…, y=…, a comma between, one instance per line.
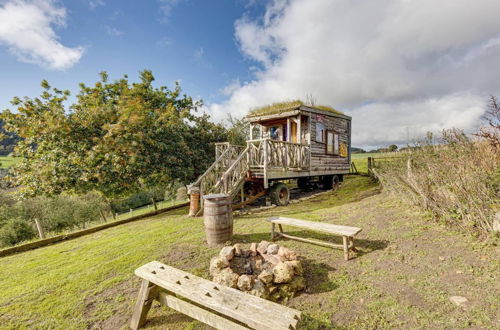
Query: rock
x=298, y=283
x=272, y=289
x=245, y=253
x=459, y=300
x=237, y=249
x=285, y=292
x=296, y=266
x=259, y=290
x=256, y=264
x=245, y=282
x=271, y=258
x=441, y=258
x=227, y=252
x=283, y=273
x=287, y=254
x=227, y=277
x=496, y=222
x=273, y=249
x=253, y=249
x=266, y=276
x=217, y=264
x=262, y=247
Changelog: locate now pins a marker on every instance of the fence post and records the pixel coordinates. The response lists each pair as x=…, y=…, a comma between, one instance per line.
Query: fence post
x=39, y=227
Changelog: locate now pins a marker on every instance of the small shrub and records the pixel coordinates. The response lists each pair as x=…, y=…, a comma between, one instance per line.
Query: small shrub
x=14, y=231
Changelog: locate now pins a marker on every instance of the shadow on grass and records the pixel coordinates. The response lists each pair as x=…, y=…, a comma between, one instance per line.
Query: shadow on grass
x=316, y=275
x=364, y=246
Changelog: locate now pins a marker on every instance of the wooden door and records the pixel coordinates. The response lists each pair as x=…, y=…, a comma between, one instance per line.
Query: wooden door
x=293, y=129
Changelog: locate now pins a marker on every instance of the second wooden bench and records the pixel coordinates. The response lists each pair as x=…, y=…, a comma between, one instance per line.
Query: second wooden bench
x=346, y=232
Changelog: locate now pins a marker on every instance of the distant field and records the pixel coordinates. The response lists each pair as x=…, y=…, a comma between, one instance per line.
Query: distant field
x=361, y=160
x=7, y=161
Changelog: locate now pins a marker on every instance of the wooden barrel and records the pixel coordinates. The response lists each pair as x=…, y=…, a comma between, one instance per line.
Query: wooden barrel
x=218, y=218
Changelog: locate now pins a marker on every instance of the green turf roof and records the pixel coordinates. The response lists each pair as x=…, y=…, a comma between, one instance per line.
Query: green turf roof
x=280, y=107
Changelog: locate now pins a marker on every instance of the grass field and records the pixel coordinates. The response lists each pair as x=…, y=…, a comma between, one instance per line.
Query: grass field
x=403, y=276
x=361, y=160
x=7, y=161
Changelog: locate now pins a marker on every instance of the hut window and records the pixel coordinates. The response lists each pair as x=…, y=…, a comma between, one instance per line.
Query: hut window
x=320, y=132
x=332, y=143
x=275, y=133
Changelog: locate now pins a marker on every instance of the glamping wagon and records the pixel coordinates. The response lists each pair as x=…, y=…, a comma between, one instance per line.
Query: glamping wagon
x=310, y=144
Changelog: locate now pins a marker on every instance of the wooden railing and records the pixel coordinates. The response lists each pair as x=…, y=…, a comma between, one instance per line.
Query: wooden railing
x=234, y=176
x=221, y=147
x=267, y=153
x=226, y=155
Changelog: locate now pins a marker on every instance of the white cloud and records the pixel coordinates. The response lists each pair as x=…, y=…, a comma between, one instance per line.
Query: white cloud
x=26, y=29
x=425, y=64
x=96, y=3
x=166, y=8
x=112, y=31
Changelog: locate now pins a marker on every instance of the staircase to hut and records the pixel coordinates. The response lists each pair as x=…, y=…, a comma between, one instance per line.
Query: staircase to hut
x=233, y=163
x=226, y=175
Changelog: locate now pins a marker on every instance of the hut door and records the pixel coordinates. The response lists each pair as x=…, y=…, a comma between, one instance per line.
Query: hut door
x=293, y=128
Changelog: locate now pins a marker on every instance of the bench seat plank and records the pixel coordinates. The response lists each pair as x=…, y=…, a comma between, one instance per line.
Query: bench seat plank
x=250, y=310
x=319, y=226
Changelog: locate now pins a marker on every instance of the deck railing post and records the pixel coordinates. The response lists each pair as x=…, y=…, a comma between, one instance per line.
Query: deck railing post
x=265, y=163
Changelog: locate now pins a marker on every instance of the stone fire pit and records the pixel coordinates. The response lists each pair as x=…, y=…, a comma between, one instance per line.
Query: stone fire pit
x=265, y=270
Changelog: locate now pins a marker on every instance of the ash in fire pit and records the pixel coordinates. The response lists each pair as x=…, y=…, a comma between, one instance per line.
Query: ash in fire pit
x=265, y=270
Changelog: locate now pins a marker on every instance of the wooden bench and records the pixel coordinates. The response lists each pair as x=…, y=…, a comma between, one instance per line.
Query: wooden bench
x=216, y=305
x=346, y=232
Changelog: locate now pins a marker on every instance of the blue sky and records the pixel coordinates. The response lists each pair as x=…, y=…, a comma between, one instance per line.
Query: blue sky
x=399, y=68
x=192, y=42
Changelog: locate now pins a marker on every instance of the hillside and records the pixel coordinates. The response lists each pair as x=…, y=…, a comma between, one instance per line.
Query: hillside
x=403, y=276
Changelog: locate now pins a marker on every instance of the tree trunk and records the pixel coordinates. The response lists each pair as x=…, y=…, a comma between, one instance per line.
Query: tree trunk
x=154, y=203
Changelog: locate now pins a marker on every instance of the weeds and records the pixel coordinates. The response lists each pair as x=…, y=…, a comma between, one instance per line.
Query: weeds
x=457, y=180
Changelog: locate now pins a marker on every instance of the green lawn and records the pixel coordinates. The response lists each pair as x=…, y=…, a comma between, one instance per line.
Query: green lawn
x=7, y=161
x=403, y=276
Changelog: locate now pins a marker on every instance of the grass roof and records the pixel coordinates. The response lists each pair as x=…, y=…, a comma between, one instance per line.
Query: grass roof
x=280, y=107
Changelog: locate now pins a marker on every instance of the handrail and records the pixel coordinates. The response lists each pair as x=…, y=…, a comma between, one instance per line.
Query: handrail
x=218, y=160
x=283, y=154
x=224, y=180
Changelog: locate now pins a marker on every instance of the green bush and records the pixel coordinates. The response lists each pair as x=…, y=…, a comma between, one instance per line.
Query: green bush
x=55, y=214
x=14, y=231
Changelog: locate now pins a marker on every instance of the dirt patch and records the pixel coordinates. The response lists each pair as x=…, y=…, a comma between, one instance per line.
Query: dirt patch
x=109, y=300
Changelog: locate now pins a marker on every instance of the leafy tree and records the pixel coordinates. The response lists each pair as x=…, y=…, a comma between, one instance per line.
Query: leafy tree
x=119, y=137
x=7, y=141
x=238, y=131
x=392, y=148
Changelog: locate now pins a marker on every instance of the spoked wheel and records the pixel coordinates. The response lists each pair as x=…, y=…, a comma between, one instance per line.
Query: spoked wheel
x=280, y=195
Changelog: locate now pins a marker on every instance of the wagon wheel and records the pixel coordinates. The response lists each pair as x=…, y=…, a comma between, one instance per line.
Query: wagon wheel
x=280, y=195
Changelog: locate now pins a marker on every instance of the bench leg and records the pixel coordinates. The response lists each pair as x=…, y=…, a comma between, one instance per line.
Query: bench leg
x=351, y=243
x=147, y=294
x=346, y=248
x=273, y=225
